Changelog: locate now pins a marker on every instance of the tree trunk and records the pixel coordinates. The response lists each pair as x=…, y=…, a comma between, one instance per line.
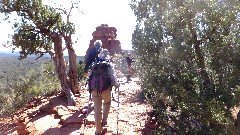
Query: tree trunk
x=73, y=72
x=199, y=54
x=61, y=69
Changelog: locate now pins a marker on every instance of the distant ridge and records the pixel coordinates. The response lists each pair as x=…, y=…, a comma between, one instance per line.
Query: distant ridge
x=5, y=53
x=16, y=54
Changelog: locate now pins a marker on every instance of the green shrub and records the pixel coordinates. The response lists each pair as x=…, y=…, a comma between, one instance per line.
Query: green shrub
x=80, y=68
x=188, y=55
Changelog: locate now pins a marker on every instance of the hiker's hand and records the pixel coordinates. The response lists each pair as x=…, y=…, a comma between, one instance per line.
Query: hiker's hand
x=85, y=75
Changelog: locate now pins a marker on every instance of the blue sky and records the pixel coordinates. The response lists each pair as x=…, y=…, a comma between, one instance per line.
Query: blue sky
x=115, y=13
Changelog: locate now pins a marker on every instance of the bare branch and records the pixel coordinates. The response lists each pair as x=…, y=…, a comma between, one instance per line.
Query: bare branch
x=39, y=56
x=69, y=13
x=64, y=48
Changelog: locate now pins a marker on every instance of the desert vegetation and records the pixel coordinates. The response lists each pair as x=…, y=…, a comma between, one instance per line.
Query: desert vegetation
x=188, y=61
x=23, y=80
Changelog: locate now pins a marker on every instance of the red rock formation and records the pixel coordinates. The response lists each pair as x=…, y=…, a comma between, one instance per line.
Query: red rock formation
x=108, y=36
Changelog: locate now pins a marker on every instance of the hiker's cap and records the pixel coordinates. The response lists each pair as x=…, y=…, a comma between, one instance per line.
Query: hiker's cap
x=98, y=43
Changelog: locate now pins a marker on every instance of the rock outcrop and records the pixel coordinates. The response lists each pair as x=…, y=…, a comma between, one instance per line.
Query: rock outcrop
x=108, y=36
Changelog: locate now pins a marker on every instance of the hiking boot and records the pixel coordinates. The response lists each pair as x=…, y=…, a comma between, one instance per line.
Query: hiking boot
x=104, y=124
x=104, y=131
x=128, y=78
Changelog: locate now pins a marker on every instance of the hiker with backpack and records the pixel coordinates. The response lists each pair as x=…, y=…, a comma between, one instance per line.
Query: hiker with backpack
x=92, y=56
x=101, y=80
x=129, y=60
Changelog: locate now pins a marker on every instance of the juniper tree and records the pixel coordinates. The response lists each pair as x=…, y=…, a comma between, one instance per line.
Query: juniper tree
x=188, y=51
x=41, y=31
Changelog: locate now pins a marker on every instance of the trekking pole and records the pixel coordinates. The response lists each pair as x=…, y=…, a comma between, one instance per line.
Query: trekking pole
x=118, y=110
x=118, y=96
x=117, y=123
x=113, y=96
x=86, y=113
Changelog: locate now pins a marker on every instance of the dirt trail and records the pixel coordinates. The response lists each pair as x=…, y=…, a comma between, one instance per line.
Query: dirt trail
x=51, y=115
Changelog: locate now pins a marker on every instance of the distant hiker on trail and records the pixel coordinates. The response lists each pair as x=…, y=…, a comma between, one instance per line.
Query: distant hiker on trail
x=80, y=62
x=92, y=56
x=129, y=60
x=101, y=80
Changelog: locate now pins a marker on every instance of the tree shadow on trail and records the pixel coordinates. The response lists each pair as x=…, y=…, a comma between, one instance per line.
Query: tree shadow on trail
x=136, y=97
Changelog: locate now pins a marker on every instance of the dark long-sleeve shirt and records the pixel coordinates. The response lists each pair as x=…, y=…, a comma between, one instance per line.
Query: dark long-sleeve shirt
x=92, y=56
x=129, y=61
